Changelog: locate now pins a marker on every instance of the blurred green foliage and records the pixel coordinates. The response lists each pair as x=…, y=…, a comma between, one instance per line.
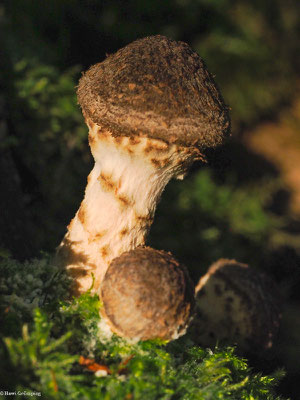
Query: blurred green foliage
x=201, y=220
x=51, y=137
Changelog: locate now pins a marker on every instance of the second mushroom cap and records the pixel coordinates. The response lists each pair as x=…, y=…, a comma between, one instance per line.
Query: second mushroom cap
x=147, y=294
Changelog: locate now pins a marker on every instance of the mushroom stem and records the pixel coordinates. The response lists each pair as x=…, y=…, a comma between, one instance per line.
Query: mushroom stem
x=120, y=200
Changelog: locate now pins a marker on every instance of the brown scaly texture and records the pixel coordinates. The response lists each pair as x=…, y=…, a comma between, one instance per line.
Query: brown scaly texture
x=147, y=294
x=245, y=304
x=159, y=88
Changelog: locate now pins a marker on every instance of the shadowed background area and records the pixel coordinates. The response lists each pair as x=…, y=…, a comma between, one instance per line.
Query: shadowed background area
x=244, y=204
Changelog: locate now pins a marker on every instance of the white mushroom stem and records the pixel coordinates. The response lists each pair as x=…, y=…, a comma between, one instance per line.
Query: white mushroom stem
x=120, y=200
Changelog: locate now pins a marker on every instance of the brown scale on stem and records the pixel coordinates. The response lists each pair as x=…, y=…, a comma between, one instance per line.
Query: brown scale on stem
x=123, y=232
x=104, y=251
x=125, y=201
x=82, y=214
x=97, y=237
x=107, y=183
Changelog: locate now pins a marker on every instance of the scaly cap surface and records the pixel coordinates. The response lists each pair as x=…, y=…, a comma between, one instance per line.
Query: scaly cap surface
x=159, y=88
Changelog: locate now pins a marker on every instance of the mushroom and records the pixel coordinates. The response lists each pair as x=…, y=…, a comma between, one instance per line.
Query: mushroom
x=147, y=294
x=236, y=304
x=152, y=108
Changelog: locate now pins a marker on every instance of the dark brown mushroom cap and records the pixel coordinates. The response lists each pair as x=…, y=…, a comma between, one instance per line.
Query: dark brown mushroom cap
x=159, y=88
x=147, y=294
x=236, y=304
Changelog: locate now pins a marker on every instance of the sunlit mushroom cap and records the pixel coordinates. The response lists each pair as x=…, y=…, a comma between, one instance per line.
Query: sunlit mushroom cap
x=235, y=304
x=147, y=294
x=159, y=88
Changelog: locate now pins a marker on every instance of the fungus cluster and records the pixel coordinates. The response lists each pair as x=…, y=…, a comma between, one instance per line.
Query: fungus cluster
x=152, y=108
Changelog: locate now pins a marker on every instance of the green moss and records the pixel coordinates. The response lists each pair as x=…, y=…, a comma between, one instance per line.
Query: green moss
x=51, y=352
x=26, y=286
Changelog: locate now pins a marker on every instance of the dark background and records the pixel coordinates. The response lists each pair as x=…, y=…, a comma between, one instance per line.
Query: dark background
x=244, y=204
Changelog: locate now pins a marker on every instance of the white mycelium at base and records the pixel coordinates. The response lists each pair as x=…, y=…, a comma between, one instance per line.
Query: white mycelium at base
x=120, y=200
